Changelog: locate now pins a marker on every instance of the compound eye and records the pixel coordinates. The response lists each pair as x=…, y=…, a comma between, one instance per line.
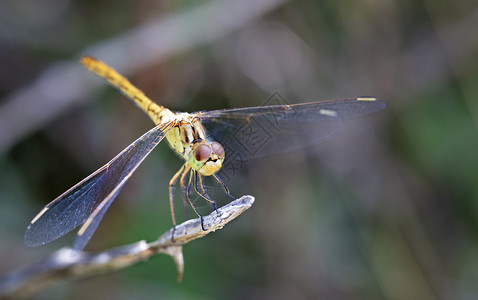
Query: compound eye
x=202, y=152
x=217, y=149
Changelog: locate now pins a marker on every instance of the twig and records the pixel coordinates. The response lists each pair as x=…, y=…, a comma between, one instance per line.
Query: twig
x=67, y=264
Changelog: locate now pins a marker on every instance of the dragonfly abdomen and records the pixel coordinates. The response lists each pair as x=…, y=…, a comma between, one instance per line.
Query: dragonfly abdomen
x=156, y=112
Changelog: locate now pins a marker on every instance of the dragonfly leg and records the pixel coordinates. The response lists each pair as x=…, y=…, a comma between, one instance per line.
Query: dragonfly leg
x=226, y=189
x=190, y=183
x=199, y=185
x=184, y=190
x=203, y=188
x=172, y=182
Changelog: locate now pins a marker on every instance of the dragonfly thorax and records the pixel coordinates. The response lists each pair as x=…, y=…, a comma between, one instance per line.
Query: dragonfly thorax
x=188, y=139
x=184, y=133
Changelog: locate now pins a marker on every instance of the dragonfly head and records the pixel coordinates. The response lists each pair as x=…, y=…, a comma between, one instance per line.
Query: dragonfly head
x=206, y=157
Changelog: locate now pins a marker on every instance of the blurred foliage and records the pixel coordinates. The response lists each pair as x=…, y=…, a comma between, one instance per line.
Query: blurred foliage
x=386, y=209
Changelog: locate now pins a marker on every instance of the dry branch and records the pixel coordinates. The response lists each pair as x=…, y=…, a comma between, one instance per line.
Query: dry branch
x=67, y=264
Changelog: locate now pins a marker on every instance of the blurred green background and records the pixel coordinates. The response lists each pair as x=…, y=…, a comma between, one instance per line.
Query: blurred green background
x=386, y=209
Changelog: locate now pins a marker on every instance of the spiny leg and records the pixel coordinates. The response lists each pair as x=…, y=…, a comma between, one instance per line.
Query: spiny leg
x=199, y=184
x=226, y=189
x=203, y=187
x=172, y=182
x=189, y=198
x=184, y=190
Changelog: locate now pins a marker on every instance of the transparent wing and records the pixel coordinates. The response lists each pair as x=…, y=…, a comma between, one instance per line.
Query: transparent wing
x=254, y=132
x=87, y=201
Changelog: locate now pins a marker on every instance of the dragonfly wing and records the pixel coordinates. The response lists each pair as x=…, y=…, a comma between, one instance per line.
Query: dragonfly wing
x=74, y=207
x=254, y=132
x=94, y=219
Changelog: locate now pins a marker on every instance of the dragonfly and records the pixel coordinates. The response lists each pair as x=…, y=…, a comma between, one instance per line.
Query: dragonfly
x=208, y=141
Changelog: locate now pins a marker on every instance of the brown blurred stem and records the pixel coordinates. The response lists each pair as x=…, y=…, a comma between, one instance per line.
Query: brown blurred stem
x=66, y=264
x=65, y=83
